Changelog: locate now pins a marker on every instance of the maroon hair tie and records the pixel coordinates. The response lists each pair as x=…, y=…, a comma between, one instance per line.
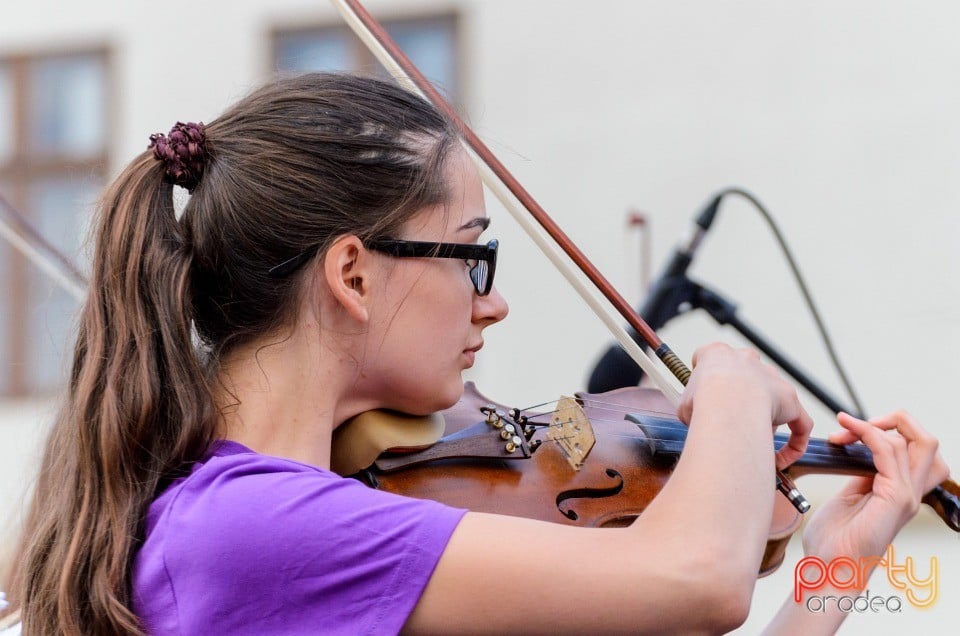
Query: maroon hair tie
x=182, y=154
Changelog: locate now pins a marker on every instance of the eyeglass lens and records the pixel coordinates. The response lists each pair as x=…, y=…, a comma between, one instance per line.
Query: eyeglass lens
x=479, y=274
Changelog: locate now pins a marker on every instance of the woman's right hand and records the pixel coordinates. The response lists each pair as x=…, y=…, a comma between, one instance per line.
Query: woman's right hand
x=668, y=558
x=739, y=379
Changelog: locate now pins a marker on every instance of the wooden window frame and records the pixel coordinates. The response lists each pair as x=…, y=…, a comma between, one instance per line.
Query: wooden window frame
x=18, y=171
x=364, y=61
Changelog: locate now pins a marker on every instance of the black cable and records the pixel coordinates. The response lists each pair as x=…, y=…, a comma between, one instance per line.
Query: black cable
x=828, y=344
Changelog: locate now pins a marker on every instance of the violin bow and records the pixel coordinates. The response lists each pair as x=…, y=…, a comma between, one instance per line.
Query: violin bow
x=15, y=228
x=503, y=184
x=498, y=179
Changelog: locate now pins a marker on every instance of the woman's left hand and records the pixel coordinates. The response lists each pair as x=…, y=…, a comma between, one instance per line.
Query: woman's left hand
x=867, y=514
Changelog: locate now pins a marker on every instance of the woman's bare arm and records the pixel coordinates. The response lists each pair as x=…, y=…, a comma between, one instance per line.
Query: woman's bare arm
x=690, y=561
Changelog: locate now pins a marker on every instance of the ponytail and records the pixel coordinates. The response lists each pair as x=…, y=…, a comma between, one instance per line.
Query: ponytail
x=138, y=407
x=290, y=167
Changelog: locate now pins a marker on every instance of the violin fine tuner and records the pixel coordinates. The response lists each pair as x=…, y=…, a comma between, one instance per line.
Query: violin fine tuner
x=792, y=493
x=508, y=432
x=494, y=415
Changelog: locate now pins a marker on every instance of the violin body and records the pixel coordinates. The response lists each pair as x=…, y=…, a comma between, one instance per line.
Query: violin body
x=533, y=465
x=616, y=482
x=626, y=468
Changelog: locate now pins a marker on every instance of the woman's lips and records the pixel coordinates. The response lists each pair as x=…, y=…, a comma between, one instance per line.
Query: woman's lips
x=471, y=353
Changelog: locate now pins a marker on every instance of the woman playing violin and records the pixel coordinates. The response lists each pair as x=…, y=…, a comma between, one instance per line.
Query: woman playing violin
x=331, y=261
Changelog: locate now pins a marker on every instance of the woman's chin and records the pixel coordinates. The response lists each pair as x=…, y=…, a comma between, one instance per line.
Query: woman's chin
x=439, y=400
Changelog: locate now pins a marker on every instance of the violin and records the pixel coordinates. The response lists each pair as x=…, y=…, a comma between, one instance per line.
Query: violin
x=597, y=460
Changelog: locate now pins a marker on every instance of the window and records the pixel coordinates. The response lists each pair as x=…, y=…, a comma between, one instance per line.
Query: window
x=53, y=130
x=431, y=44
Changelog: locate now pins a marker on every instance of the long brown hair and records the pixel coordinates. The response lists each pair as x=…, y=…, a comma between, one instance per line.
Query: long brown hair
x=296, y=164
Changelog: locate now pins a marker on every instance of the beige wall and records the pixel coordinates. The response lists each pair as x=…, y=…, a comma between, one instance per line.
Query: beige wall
x=840, y=116
x=23, y=425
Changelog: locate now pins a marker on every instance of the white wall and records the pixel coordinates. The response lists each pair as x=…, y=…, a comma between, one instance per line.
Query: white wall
x=841, y=117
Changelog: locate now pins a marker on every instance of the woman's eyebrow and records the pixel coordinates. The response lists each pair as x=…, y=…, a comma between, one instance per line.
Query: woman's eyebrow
x=480, y=221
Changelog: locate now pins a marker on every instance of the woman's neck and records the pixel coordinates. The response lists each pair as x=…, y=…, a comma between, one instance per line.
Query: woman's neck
x=285, y=397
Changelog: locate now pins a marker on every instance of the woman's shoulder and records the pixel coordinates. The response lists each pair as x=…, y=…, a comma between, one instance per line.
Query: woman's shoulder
x=232, y=481
x=241, y=526
x=235, y=496
x=229, y=463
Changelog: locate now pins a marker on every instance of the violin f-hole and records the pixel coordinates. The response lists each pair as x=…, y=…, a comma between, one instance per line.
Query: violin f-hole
x=589, y=493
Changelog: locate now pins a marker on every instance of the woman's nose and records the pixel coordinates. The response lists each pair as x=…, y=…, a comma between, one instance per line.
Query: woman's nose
x=491, y=308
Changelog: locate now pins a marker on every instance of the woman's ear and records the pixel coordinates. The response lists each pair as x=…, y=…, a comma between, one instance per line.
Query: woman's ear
x=346, y=269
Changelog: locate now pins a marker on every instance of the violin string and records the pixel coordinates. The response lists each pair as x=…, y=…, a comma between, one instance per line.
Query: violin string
x=816, y=448
x=536, y=406
x=812, y=452
x=597, y=404
x=630, y=408
x=529, y=420
x=627, y=407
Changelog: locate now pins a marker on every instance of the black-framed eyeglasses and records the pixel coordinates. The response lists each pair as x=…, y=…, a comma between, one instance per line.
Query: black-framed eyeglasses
x=483, y=257
x=481, y=271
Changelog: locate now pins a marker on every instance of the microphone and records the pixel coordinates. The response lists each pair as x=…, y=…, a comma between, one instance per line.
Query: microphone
x=661, y=303
x=616, y=369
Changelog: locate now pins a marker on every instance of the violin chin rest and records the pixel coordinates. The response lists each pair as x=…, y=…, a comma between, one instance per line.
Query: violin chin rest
x=360, y=440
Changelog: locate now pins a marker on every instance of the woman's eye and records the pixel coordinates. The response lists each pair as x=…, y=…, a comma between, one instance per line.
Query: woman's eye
x=471, y=262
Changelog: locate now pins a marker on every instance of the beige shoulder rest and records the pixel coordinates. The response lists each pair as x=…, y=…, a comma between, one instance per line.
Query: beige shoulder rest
x=359, y=441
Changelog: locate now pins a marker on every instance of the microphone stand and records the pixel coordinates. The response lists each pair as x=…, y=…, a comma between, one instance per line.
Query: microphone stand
x=673, y=290
x=685, y=292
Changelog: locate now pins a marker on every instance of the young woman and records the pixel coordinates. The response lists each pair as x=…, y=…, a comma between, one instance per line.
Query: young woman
x=329, y=262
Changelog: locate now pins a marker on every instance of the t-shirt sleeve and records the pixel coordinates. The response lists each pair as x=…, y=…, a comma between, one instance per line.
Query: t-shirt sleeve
x=299, y=552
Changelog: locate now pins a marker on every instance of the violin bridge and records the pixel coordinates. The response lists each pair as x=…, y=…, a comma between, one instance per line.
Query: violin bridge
x=572, y=432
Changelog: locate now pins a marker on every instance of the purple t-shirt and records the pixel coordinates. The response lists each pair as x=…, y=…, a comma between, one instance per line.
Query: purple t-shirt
x=251, y=544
